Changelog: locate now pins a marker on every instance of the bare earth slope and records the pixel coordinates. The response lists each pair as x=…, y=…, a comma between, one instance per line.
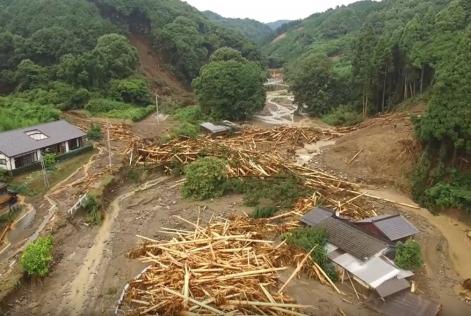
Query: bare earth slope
x=163, y=82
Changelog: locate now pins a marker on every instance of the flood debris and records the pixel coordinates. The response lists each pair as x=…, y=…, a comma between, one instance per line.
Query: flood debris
x=227, y=267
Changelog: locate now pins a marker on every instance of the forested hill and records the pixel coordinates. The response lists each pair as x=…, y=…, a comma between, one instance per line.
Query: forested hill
x=328, y=32
x=256, y=31
x=277, y=24
x=370, y=56
x=63, y=54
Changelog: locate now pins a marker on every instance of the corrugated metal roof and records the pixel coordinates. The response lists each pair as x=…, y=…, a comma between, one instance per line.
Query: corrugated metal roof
x=395, y=228
x=352, y=240
x=373, y=219
x=405, y=304
x=373, y=272
x=392, y=286
x=214, y=128
x=16, y=142
x=316, y=215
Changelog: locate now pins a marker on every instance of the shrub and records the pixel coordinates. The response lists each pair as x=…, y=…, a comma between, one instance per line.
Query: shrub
x=50, y=161
x=37, y=257
x=134, y=91
x=190, y=114
x=264, y=212
x=187, y=130
x=92, y=206
x=408, y=255
x=4, y=176
x=282, y=191
x=343, y=116
x=94, y=133
x=307, y=238
x=205, y=178
x=445, y=195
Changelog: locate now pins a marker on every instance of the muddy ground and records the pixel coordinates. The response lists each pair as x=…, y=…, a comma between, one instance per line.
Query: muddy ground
x=92, y=266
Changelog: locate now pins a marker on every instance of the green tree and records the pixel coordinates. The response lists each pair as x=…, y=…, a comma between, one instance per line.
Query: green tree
x=205, y=178
x=29, y=75
x=314, y=85
x=134, y=91
x=362, y=65
x=37, y=257
x=50, y=161
x=408, y=255
x=226, y=54
x=115, y=56
x=230, y=89
x=185, y=46
x=447, y=121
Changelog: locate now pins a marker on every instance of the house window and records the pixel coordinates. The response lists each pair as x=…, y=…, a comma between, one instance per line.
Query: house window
x=3, y=162
x=36, y=134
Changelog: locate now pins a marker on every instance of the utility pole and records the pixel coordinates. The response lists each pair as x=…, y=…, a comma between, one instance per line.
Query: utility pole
x=157, y=108
x=108, y=143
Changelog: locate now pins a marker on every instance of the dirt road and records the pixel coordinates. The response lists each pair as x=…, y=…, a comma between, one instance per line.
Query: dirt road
x=82, y=288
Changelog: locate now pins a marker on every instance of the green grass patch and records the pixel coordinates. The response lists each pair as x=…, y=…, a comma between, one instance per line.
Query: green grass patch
x=282, y=191
x=343, y=116
x=18, y=112
x=189, y=118
x=32, y=183
x=118, y=110
x=264, y=212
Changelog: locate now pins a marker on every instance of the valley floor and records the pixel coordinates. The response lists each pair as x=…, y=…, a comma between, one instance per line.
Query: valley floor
x=92, y=265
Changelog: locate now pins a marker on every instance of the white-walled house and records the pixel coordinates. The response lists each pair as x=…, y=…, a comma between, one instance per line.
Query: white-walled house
x=24, y=147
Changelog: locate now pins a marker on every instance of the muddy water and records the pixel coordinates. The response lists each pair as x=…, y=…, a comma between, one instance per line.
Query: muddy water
x=305, y=154
x=276, y=113
x=452, y=229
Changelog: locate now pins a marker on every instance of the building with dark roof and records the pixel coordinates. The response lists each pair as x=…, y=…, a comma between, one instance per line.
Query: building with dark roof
x=24, y=147
x=352, y=240
x=404, y=303
x=391, y=228
x=316, y=215
x=359, y=253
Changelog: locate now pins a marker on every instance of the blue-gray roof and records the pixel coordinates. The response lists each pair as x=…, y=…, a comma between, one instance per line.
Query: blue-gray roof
x=316, y=215
x=394, y=227
x=17, y=142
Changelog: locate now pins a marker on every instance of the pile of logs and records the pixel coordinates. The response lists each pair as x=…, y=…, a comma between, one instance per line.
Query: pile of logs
x=244, y=161
x=227, y=267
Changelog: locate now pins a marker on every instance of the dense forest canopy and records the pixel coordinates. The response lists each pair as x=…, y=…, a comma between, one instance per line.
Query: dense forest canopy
x=62, y=54
x=257, y=32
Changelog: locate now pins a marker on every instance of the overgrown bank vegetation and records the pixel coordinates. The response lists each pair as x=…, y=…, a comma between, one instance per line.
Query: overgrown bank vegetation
x=369, y=57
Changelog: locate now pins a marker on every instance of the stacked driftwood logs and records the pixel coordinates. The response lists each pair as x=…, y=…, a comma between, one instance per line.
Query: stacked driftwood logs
x=227, y=267
x=247, y=158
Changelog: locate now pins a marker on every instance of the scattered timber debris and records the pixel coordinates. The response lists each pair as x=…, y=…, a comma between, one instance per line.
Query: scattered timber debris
x=226, y=267
x=248, y=156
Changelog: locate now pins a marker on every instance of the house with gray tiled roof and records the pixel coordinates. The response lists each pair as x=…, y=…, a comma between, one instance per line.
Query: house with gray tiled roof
x=23, y=147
